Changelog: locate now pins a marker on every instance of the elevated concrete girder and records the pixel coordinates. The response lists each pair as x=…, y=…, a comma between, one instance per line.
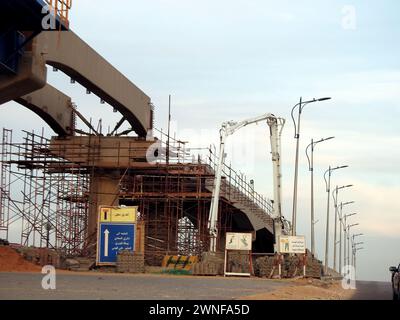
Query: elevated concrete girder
x=31, y=77
x=67, y=52
x=54, y=107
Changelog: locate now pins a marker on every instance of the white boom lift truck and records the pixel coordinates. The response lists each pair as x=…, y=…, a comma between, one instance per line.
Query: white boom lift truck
x=228, y=128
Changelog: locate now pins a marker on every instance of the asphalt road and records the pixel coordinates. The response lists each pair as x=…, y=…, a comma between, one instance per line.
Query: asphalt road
x=98, y=286
x=373, y=290
x=17, y=286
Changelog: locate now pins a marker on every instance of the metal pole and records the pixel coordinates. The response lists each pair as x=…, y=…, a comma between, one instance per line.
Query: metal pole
x=348, y=246
x=169, y=127
x=340, y=237
x=334, y=238
x=213, y=216
x=327, y=223
x=312, y=200
x=301, y=105
x=296, y=171
x=354, y=263
x=311, y=169
x=344, y=240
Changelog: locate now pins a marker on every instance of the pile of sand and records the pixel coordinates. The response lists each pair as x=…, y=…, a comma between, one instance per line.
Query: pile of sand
x=12, y=261
x=306, y=290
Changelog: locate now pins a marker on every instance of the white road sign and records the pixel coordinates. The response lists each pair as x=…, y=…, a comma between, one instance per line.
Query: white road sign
x=238, y=241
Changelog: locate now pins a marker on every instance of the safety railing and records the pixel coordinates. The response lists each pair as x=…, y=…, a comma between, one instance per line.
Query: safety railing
x=61, y=8
x=236, y=186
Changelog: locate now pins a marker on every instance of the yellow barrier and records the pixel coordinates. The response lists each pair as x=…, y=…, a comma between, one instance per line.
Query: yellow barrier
x=179, y=262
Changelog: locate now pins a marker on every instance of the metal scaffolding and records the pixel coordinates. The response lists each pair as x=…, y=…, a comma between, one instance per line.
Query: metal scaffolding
x=46, y=194
x=43, y=198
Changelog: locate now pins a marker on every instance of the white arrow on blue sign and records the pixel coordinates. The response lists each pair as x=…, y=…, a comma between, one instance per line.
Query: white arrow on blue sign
x=114, y=237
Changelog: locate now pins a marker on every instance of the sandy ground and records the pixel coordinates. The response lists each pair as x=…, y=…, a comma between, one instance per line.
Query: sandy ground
x=12, y=261
x=306, y=289
x=303, y=289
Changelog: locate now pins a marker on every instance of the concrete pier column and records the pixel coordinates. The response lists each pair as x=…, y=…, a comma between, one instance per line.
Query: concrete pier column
x=104, y=191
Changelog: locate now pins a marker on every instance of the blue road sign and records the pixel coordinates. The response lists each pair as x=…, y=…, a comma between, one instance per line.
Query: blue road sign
x=114, y=237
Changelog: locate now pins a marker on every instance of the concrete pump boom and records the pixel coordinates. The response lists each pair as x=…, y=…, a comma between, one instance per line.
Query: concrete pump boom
x=227, y=129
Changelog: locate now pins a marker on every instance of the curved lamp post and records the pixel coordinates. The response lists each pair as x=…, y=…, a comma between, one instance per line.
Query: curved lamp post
x=342, y=226
x=348, y=240
x=310, y=158
x=335, y=199
x=328, y=190
x=300, y=106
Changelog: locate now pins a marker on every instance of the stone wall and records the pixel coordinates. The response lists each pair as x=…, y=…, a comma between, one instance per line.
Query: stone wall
x=130, y=262
x=291, y=266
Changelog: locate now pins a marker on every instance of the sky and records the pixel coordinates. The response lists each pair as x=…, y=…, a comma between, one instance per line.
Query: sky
x=232, y=60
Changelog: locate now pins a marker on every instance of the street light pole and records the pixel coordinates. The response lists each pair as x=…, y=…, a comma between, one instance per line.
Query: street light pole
x=335, y=198
x=328, y=190
x=311, y=169
x=353, y=250
x=353, y=241
x=348, y=241
x=345, y=236
x=301, y=106
x=341, y=227
x=355, y=261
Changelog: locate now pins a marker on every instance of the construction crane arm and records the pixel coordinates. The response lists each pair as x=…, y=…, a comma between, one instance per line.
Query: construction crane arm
x=231, y=127
x=227, y=129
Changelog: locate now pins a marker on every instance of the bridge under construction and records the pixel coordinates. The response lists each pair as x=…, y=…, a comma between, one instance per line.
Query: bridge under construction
x=52, y=187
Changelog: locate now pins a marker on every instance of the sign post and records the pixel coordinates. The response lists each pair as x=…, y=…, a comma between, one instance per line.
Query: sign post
x=115, y=232
x=294, y=245
x=237, y=242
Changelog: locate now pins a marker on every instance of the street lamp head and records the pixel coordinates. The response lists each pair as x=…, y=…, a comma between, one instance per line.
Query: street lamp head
x=323, y=140
x=314, y=100
x=343, y=187
x=353, y=225
x=337, y=168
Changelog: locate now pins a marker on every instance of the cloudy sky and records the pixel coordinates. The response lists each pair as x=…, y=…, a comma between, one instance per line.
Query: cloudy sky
x=231, y=60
